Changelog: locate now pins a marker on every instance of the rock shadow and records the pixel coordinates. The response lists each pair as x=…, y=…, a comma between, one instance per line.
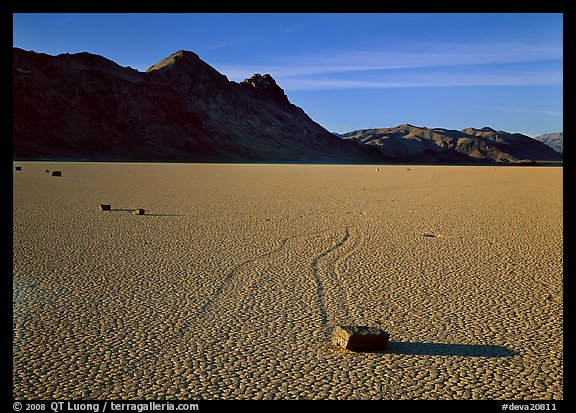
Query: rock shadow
x=443, y=349
x=161, y=215
x=145, y=213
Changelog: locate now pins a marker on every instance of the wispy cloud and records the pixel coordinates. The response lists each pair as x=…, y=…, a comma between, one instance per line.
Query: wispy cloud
x=401, y=65
x=231, y=43
x=295, y=79
x=402, y=80
x=419, y=55
x=548, y=112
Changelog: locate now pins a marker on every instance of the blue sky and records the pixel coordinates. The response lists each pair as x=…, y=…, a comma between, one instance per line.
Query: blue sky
x=349, y=70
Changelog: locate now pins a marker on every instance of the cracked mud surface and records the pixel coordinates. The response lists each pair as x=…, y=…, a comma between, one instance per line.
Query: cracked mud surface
x=230, y=284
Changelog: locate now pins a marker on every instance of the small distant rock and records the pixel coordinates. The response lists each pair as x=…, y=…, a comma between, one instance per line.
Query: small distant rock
x=138, y=211
x=104, y=207
x=18, y=168
x=47, y=171
x=377, y=170
x=360, y=338
x=56, y=173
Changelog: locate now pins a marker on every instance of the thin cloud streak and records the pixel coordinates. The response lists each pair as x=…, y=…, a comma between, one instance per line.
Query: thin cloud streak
x=301, y=84
x=437, y=55
x=554, y=113
x=414, y=56
x=231, y=43
x=401, y=79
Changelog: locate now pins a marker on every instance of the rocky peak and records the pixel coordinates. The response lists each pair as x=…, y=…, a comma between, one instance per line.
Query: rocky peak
x=485, y=131
x=408, y=126
x=259, y=81
x=186, y=70
x=265, y=87
x=181, y=57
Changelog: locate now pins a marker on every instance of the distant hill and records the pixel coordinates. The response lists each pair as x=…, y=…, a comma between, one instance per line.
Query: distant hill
x=85, y=107
x=409, y=143
x=553, y=140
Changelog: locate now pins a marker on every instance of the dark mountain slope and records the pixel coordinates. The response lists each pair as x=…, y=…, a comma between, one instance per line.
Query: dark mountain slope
x=85, y=107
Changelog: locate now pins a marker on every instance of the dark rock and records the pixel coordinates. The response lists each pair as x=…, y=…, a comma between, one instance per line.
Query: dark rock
x=56, y=173
x=138, y=211
x=360, y=338
x=104, y=207
x=18, y=168
x=265, y=87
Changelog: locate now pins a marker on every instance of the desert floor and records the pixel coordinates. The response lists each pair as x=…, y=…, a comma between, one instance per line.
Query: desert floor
x=230, y=284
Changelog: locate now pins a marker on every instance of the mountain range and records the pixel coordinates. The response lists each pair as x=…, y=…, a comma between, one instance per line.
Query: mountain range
x=85, y=107
x=553, y=140
x=408, y=143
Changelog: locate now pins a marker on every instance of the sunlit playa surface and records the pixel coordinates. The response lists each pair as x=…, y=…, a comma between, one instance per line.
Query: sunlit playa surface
x=231, y=282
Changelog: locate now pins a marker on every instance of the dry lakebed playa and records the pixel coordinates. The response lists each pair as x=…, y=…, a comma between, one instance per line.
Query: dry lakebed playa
x=231, y=282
